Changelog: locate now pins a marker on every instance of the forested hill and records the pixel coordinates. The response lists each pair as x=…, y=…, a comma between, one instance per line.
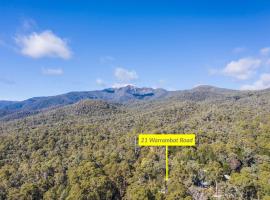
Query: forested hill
x=15, y=110
x=86, y=148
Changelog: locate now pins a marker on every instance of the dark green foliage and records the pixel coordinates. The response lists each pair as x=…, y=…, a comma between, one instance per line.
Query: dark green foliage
x=88, y=150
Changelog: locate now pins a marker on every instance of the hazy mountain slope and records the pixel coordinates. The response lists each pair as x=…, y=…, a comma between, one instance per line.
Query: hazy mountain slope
x=126, y=95
x=34, y=105
x=6, y=103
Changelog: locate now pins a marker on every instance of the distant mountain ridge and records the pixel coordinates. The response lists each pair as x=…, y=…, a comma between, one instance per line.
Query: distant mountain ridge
x=6, y=103
x=13, y=110
x=129, y=94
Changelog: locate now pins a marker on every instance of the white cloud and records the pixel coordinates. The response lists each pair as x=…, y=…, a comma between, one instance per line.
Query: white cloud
x=265, y=51
x=267, y=62
x=44, y=44
x=100, y=82
x=119, y=85
x=124, y=75
x=52, y=71
x=262, y=83
x=198, y=85
x=242, y=69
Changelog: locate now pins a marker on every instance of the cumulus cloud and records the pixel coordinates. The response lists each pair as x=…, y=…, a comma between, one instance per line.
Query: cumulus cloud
x=124, y=75
x=44, y=44
x=52, y=71
x=242, y=69
x=262, y=83
x=100, y=82
x=265, y=51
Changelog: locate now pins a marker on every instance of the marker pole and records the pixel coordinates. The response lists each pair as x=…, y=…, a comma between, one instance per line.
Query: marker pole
x=167, y=165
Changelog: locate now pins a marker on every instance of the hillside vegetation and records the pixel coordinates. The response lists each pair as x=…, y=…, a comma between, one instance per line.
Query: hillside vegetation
x=88, y=149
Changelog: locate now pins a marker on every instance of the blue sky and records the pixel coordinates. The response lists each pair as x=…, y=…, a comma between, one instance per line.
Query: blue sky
x=53, y=47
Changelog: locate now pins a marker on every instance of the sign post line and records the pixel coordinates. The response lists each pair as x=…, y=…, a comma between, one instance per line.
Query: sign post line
x=167, y=165
x=166, y=140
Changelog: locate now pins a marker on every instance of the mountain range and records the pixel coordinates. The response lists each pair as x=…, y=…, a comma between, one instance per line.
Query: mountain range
x=10, y=110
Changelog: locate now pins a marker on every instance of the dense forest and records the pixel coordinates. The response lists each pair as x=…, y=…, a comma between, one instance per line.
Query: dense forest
x=89, y=150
